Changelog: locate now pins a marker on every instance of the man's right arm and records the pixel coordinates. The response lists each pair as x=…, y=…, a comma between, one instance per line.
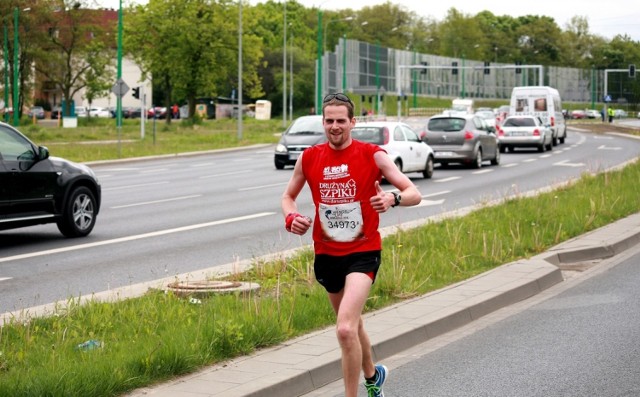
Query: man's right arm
x=295, y=222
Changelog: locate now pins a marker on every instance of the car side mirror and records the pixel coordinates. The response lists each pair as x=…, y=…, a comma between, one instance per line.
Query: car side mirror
x=43, y=153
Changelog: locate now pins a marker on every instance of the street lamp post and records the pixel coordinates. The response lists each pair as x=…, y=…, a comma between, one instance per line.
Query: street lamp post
x=319, y=65
x=284, y=68
x=16, y=118
x=6, y=71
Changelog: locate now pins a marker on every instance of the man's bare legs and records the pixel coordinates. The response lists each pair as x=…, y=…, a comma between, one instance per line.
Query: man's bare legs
x=354, y=341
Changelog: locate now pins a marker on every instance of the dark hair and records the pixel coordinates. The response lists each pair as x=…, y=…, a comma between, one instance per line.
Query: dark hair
x=338, y=99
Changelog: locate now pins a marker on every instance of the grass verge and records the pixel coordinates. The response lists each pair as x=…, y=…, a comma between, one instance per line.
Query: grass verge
x=159, y=336
x=99, y=139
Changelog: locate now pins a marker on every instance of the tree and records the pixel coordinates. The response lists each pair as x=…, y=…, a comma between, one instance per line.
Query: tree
x=68, y=51
x=461, y=36
x=190, y=48
x=100, y=76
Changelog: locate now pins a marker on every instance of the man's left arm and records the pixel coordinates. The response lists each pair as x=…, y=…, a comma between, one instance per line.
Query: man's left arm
x=408, y=194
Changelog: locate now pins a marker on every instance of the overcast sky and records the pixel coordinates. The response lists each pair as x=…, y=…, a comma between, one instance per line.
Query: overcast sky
x=605, y=19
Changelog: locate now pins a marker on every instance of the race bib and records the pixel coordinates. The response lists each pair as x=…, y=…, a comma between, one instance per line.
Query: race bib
x=341, y=222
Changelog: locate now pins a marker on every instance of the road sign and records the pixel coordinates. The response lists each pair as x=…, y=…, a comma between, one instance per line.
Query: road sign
x=607, y=98
x=120, y=88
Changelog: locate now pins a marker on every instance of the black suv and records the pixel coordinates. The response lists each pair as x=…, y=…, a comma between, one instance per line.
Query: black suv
x=37, y=189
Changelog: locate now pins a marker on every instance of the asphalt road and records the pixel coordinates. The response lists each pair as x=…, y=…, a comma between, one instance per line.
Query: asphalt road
x=162, y=217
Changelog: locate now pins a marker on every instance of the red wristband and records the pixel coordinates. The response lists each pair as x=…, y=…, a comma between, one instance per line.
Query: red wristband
x=288, y=221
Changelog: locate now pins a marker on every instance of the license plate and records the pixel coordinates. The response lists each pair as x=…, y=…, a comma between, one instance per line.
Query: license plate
x=445, y=154
x=294, y=156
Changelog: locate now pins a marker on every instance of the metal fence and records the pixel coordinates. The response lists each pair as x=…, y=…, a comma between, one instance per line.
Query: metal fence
x=364, y=68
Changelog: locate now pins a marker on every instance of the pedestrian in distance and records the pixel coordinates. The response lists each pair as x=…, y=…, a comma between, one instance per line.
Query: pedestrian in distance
x=344, y=177
x=611, y=113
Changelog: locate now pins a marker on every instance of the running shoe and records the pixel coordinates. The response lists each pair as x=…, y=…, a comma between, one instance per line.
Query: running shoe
x=375, y=389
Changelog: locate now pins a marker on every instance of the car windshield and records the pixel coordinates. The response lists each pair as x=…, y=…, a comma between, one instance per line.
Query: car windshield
x=450, y=124
x=519, y=122
x=307, y=126
x=369, y=134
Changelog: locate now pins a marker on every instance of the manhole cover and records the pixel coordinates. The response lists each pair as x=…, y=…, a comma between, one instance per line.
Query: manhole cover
x=205, y=288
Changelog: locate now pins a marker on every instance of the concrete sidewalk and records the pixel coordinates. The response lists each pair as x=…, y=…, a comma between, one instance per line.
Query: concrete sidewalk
x=304, y=364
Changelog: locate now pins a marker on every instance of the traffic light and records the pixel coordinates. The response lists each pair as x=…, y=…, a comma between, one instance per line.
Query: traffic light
x=136, y=92
x=424, y=71
x=454, y=68
x=632, y=70
x=518, y=70
x=486, y=68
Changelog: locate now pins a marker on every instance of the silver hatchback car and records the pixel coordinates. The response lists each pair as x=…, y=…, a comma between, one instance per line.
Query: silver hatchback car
x=461, y=139
x=525, y=131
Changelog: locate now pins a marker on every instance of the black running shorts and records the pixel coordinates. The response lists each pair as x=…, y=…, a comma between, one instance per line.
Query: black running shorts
x=331, y=271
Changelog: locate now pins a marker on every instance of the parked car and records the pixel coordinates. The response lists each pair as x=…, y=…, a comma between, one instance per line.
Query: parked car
x=461, y=139
x=99, y=112
x=525, y=131
x=402, y=144
x=303, y=133
x=620, y=114
x=81, y=111
x=157, y=112
x=578, y=114
x=131, y=112
x=592, y=113
x=38, y=189
x=37, y=112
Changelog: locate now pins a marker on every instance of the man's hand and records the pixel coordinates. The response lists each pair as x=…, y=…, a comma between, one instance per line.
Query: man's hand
x=297, y=223
x=380, y=202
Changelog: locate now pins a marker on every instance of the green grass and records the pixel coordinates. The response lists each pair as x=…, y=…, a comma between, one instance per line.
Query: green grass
x=158, y=336
x=99, y=139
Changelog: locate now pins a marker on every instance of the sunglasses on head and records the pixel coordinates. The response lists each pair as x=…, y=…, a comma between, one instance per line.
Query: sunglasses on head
x=339, y=96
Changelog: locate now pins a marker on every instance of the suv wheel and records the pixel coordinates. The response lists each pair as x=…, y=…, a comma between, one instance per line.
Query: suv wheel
x=79, y=213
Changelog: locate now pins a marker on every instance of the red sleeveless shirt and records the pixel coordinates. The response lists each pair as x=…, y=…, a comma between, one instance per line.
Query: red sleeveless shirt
x=342, y=183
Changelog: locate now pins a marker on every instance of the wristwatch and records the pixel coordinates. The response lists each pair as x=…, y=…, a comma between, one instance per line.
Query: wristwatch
x=397, y=199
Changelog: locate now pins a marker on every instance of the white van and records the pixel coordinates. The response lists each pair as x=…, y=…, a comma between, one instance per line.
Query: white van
x=462, y=106
x=543, y=102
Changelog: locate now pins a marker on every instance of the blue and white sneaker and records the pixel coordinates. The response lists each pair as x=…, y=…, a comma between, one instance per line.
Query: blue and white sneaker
x=375, y=389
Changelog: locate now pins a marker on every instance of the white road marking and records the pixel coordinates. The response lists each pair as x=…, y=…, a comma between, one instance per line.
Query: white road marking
x=427, y=203
x=436, y=194
x=544, y=156
x=134, y=186
x=603, y=147
x=136, y=237
x=5, y=278
x=152, y=170
x=156, y=201
x=201, y=165
x=529, y=160
x=509, y=165
x=453, y=178
x=226, y=174
x=566, y=163
x=482, y=171
x=244, y=189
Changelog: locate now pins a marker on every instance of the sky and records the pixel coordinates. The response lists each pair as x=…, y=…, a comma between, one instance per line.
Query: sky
x=605, y=19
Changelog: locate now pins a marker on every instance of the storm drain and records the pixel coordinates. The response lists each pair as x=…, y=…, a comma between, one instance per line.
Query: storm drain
x=206, y=288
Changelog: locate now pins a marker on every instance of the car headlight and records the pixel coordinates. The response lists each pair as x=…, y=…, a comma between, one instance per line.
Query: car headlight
x=280, y=148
